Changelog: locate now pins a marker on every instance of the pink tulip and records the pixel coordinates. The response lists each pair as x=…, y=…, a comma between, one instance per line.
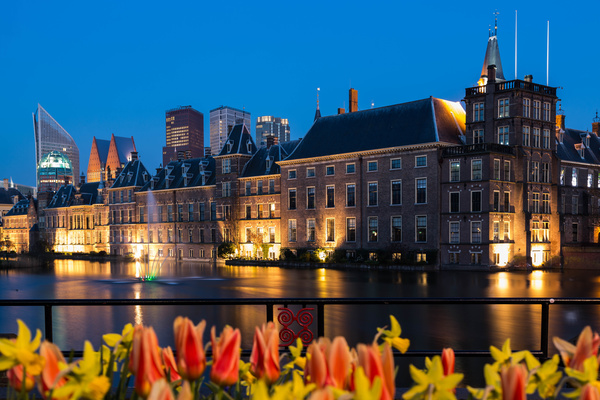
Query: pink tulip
x=514, y=382
x=328, y=363
x=589, y=392
x=191, y=360
x=53, y=356
x=264, y=359
x=376, y=364
x=574, y=356
x=169, y=363
x=145, y=362
x=448, y=361
x=226, y=356
x=15, y=378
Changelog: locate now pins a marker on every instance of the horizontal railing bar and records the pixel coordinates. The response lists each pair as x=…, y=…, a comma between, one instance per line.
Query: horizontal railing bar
x=265, y=301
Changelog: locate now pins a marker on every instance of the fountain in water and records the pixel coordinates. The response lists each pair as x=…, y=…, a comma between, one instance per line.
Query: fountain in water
x=150, y=268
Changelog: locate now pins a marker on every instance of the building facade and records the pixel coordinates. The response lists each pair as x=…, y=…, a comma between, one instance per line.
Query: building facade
x=50, y=136
x=269, y=126
x=222, y=121
x=185, y=133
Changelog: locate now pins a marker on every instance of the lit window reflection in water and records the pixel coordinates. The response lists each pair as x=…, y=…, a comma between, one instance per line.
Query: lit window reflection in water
x=537, y=282
x=138, y=309
x=503, y=280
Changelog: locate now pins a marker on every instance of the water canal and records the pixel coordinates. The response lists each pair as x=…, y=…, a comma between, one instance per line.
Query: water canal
x=473, y=327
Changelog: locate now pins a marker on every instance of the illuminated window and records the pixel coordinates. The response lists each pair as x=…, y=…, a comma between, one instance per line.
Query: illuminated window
x=476, y=232
x=454, y=171
x=496, y=231
x=590, y=180
x=574, y=177
x=373, y=227
x=562, y=176
x=506, y=231
x=292, y=230
x=330, y=229
x=503, y=135
x=421, y=228
x=535, y=203
x=350, y=229
x=546, y=203
x=535, y=231
x=503, y=108
x=454, y=232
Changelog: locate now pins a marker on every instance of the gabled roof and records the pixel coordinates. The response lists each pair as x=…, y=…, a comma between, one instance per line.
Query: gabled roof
x=133, y=174
x=7, y=195
x=124, y=147
x=574, y=145
x=68, y=195
x=63, y=197
x=239, y=141
x=423, y=121
x=257, y=165
x=102, y=146
x=193, y=172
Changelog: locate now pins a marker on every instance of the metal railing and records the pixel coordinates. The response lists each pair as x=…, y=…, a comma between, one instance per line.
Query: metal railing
x=320, y=315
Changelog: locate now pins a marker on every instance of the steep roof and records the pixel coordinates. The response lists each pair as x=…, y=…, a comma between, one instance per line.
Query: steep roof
x=257, y=165
x=68, y=195
x=21, y=208
x=492, y=57
x=576, y=143
x=239, y=141
x=124, y=147
x=418, y=122
x=185, y=173
x=133, y=174
x=102, y=146
x=7, y=195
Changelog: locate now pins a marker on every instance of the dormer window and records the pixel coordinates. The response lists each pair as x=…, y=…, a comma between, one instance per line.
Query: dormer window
x=268, y=162
x=229, y=146
x=145, y=176
x=203, y=175
x=249, y=146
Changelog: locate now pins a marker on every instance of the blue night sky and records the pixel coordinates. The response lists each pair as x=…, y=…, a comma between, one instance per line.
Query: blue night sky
x=116, y=66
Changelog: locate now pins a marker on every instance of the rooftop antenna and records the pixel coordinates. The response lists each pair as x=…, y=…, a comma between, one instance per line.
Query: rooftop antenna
x=516, y=76
x=596, y=118
x=547, y=52
x=496, y=13
x=373, y=104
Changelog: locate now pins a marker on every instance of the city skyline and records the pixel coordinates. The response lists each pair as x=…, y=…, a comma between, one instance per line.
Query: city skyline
x=111, y=82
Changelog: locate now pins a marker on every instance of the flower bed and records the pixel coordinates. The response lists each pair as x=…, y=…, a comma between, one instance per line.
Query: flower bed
x=327, y=370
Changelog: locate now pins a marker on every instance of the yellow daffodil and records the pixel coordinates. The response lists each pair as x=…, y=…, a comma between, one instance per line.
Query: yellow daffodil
x=363, y=390
x=21, y=351
x=432, y=384
x=84, y=379
x=506, y=356
x=392, y=336
x=296, y=357
x=121, y=344
x=544, y=378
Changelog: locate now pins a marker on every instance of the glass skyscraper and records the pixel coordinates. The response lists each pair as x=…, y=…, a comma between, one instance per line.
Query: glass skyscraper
x=222, y=119
x=272, y=126
x=49, y=137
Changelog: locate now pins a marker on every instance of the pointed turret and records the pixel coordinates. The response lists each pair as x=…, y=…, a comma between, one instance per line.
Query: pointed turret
x=492, y=57
x=318, y=112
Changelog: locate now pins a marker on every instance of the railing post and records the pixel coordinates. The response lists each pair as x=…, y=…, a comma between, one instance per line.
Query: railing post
x=269, y=312
x=320, y=320
x=48, y=322
x=545, y=328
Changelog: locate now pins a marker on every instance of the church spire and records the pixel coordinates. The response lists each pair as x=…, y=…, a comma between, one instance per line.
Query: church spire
x=492, y=55
x=318, y=112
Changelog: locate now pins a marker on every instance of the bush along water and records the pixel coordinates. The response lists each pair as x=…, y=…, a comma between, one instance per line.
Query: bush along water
x=326, y=370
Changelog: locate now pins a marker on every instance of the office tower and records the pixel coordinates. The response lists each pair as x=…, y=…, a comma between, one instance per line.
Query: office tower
x=222, y=120
x=49, y=137
x=53, y=171
x=185, y=133
x=269, y=126
x=110, y=155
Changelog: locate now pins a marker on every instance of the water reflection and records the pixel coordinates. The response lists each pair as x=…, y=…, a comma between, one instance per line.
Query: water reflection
x=464, y=327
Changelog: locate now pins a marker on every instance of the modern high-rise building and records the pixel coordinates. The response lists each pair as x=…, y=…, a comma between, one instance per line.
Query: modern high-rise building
x=222, y=120
x=50, y=136
x=54, y=170
x=185, y=132
x=269, y=126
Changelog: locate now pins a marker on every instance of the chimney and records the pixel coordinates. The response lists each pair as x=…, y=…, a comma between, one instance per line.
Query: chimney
x=134, y=156
x=272, y=141
x=188, y=154
x=529, y=78
x=180, y=155
x=341, y=111
x=82, y=179
x=207, y=152
x=596, y=125
x=491, y=73
x=5, y=183
x=353, y=94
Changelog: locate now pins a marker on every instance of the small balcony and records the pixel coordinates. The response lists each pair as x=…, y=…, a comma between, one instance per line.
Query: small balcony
x=477, y=148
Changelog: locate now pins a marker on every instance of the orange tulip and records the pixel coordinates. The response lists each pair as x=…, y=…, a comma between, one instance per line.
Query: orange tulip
x=161, y=390
x=15, y=378
x=145, y=362
x=226, y=356
x=191, y=360
x=322, y=394
x=589, y=392
x=514, y=382
x=264, y=359
x=448, y=361
x=574, y=356
x=54, y=358
x=328, y=363
x=169, y=363
x=378, y=364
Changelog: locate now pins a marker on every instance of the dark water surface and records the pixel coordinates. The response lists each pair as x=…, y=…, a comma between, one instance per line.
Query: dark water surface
x=462, y=327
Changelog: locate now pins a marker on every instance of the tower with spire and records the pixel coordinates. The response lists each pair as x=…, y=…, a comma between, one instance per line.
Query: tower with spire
x=501, y=184
x=318, y=112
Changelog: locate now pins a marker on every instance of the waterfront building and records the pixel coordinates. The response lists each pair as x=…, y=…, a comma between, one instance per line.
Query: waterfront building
x=222, y=120
x=109, y=156
x=53, y=171
x=185, y=133
x=20, y=225
x=50, y=136
x=269, y=126
x=76, y=219
x=9, y=196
